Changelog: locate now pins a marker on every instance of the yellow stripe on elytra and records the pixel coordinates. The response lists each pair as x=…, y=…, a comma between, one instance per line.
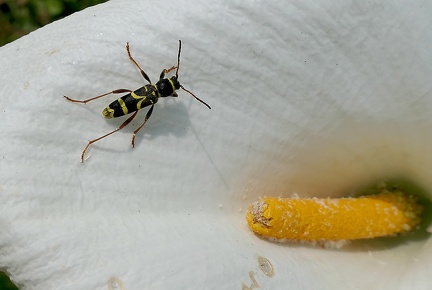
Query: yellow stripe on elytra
x=108, y=112
x=135, y=96
x=140, y=103
x=123, y=106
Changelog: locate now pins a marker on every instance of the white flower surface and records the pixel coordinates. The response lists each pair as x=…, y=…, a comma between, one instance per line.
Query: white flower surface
x=319, y=99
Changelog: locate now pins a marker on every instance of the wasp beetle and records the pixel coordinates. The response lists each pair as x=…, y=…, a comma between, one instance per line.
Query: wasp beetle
x=134, y=101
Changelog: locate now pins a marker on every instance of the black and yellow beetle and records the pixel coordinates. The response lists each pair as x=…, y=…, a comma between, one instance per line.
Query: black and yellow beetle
x=134, y=101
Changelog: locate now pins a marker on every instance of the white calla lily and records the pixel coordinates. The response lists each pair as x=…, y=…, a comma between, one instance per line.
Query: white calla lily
x=314, y=98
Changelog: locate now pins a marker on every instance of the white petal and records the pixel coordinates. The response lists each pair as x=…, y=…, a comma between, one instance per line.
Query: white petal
x=317, y=99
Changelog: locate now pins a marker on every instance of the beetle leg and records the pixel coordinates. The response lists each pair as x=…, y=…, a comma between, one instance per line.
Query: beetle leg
x=119, y=91
x=125, y=123
x=149, y=113
x=165, y=71
x=133, y=60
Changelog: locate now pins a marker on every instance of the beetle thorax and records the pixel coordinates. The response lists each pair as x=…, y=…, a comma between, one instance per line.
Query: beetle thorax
x=167, y=87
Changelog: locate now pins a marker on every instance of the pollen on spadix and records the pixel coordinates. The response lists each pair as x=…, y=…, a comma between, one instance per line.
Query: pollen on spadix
x=318, y=219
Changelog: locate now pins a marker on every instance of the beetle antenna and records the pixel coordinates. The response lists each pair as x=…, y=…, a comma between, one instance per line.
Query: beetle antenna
x=198, y=99
x=178, y=66
x=178, y=59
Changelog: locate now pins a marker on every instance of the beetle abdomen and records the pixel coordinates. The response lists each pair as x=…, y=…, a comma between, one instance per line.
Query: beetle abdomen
x=136, y=100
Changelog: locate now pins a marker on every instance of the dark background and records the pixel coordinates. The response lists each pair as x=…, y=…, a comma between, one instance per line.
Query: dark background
x=19, y=17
